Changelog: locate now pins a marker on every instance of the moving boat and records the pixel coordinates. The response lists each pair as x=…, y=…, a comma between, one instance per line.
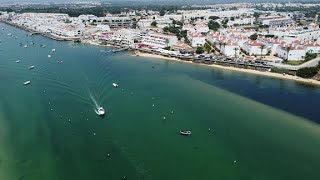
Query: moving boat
x=18, y=61
x=100, y=111
x=115, y=85
x=53, y=50
x=27, y=82
x=185, y=133
x=31, y=67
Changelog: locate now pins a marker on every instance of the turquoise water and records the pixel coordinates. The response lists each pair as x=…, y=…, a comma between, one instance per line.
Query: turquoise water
x=49, y=130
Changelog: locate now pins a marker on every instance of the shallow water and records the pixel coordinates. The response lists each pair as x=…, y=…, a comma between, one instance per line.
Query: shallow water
x=49, y=130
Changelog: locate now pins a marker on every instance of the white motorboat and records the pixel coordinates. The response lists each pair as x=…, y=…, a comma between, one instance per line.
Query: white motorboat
x=2, y=28
x=18, y=61
x=115, y=85
x=9, y=34
x=49, y=56
x=31, y=67
x=53, y=50
x=100, y=111
x=27, y=82
x=185, y=133
x=25, y=46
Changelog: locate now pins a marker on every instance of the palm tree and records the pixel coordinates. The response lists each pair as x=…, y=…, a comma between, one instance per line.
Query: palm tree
x=167, y=42
x=220, y=45
x=224, y=46
x=262, y=47
x=235, y=52
x=288, y=48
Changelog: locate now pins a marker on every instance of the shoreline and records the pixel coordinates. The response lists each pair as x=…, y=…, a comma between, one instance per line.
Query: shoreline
x=249, y=71
x=144, y=54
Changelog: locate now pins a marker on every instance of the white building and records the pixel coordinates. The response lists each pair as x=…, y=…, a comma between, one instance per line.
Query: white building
x=312, y=48
x=196, y=39
x=126, y=36
x=159, y=40
x=278, y=22
x=241, y=21
x=201, y=28
x=254, y=48
x=295, y=53
x=230, y=49
x=188, y=27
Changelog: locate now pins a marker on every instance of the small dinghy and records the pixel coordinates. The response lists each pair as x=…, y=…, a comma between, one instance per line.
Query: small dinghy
x=27, y=82
x=115, y=85
x=185, y=133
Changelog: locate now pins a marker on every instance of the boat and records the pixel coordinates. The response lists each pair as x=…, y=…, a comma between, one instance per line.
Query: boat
x=2, y=28
x=25, y=46
x=9, y=34
x=18, y=61
x=185, y=133
x=31, y=67
x=27, y=82
x=115, y=85
x=53, y=50
x=43, y=46
x=100, y=111
x=49, y=56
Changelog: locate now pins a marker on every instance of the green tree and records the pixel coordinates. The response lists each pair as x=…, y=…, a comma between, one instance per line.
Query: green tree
x=254, y=37
x=213, y=25
x=154, y=23
x=200, y=50
x=235, y=52
x=167, y=42
x=288, y=49
x=262, y=47
x=307, y=72
x=214, y=17
x=162, y=12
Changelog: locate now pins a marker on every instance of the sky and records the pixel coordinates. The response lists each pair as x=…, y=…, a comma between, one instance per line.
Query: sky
x=184, y=1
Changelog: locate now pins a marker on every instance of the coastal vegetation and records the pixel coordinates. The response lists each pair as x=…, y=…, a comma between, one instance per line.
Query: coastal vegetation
x=307, y=72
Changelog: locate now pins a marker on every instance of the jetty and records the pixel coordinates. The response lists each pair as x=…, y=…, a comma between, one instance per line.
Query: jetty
x=120, y=49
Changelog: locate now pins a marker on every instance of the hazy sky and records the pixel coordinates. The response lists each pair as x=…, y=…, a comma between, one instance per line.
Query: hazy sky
x=185, y=1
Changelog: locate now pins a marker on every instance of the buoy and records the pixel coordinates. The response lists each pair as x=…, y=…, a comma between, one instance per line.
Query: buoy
x=164, y=117
x=94, y=134
x=209, y=129
x=69, y=120
x=124, y=177
x=51, y=109
x=44, y=91
x=234, y=161
x=152, y=104
x=171, y=112
x=108, y=155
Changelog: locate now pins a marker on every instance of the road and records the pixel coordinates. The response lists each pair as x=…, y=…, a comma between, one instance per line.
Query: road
x=310, y=63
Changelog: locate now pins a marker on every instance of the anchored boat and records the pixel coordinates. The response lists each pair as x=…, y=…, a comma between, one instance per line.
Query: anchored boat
x=27, y=82
x=185, y=133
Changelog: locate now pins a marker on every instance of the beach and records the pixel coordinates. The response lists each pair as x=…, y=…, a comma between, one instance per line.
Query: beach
x=251, y=71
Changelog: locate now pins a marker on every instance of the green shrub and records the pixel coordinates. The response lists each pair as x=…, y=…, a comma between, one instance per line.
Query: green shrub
x=307, y=72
